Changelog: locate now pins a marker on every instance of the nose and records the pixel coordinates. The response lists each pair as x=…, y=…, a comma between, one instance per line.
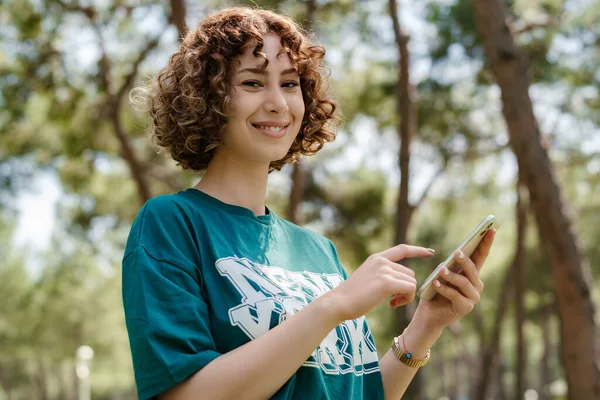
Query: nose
x=275, y=101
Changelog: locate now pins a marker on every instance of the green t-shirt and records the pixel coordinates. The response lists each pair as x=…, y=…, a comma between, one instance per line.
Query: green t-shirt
x=202, y=277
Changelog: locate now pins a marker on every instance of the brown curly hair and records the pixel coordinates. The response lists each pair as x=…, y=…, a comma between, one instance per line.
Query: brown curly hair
x=189, y=100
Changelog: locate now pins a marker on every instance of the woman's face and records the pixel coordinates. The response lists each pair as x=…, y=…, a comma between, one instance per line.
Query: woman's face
x=266, y=108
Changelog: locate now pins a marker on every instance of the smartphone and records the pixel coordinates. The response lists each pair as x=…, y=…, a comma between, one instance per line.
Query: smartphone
x=468, y=246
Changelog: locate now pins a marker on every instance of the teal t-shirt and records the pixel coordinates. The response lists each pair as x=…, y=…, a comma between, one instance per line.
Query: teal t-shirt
x=202, y=277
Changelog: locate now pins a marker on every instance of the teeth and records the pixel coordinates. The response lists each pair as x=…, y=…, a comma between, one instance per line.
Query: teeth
x=271, y=128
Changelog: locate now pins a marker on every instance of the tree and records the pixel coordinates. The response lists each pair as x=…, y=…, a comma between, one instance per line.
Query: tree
x=570, y=270
x=298, y=173
x=406, y=129
x=519, y=288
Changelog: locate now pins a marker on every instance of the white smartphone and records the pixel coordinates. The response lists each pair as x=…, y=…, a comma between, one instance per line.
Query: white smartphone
x=468, y=246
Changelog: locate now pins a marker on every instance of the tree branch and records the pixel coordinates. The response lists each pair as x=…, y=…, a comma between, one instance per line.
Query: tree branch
x=113, y=108
x=435, y=177
x=151, y=45
x=177, y=17
x=400, y=35
x=113, y=103
x=311, y=10
x=517, y=30
x=89, y=12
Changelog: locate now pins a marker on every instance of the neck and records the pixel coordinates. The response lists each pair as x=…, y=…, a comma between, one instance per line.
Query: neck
x=236, y=183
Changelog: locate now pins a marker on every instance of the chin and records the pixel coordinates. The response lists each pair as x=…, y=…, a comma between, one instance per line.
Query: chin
x=274, y=154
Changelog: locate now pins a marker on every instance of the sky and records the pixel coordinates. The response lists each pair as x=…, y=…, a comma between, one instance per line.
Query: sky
x=36, y=209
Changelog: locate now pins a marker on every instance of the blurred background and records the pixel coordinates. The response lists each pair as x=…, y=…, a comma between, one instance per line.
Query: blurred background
x=453, y=110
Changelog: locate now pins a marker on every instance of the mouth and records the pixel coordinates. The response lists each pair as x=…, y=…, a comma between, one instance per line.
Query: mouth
x=272, y=131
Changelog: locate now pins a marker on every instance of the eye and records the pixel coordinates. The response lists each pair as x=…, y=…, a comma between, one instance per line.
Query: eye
x=253, y=84
x=291, y=84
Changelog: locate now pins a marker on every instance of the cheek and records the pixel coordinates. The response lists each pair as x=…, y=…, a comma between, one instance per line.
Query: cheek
x=239, y=104
x=297, y=107
x=234, y=104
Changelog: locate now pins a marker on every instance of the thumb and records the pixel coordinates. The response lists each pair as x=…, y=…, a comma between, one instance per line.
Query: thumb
x=401, y=251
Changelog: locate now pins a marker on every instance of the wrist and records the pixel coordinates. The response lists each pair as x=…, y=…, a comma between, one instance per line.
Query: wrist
x=418, y=337
x=423, y=320
x=327, y=307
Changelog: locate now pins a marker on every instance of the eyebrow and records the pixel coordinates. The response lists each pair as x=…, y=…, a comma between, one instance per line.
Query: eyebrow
x=263, y=71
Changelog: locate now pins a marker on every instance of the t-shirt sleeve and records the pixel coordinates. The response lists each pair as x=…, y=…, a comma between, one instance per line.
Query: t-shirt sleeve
x=338, y=263
x=167, y=320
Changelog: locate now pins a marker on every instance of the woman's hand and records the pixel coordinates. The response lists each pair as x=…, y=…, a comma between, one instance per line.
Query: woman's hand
x=376, y=279
x=460, y=293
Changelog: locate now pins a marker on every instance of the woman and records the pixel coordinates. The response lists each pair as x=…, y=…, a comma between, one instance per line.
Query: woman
x=225, y=300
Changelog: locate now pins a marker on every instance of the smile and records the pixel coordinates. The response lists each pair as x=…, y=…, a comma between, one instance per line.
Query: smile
x=276, y=132
x=271, y=128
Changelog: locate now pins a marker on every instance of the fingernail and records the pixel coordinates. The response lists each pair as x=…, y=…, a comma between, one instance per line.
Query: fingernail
x=461, y=255
x=446, y=271
x=437, y=283
x=432, y=251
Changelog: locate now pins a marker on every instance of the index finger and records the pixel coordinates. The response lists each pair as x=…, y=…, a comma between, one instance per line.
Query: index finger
x=483, y=250
x=401, y=251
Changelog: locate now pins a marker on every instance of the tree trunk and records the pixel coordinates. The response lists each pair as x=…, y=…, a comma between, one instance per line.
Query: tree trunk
x=42, y=380
x=74, y=383
x=405, y=131
x=500, y=389
x=298, y=177
x=441, y=372
x=476, y=366
x=489, y=353
x=177, y=17
x=570, y=270
x=520, y=263
x=545, y=374
x=6, y=379
x=311, y=10
x=135, y=167
x=458, y=387
x=296, y=192
x=405, y=110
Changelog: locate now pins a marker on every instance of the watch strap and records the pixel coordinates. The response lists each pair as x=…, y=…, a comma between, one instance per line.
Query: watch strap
x=406, y=357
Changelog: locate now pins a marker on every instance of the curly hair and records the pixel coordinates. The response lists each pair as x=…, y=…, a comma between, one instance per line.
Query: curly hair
x=189, y=100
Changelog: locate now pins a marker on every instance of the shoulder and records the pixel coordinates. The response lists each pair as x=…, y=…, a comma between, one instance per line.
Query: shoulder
x=156, y=212
x=164, y=206
x=162, y=220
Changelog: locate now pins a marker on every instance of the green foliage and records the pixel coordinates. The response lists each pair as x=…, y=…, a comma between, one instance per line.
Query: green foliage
x=44, y=319
x=370, y=92
x=455, y=23
x=355, y=209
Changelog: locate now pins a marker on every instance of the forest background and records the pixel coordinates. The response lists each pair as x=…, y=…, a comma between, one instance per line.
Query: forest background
x=453, y=110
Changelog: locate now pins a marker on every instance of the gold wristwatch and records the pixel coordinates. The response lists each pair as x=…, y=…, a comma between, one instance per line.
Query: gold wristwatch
x=405, y=357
